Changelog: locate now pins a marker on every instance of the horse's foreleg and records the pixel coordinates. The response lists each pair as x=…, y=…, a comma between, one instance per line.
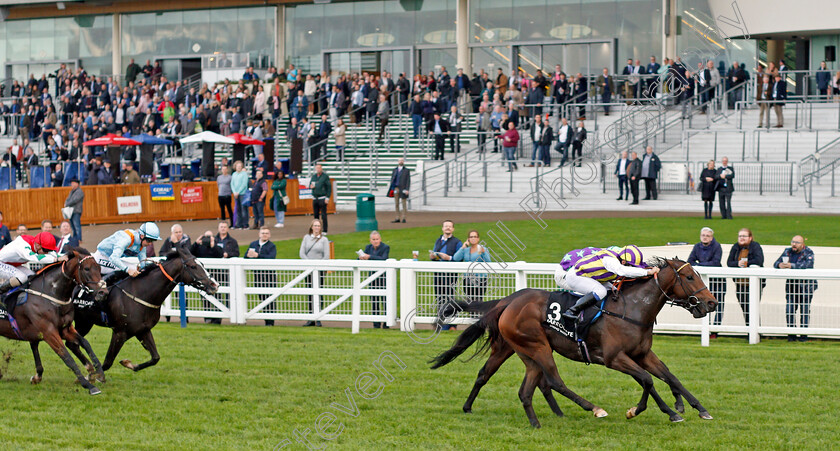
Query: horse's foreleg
x=621, y=362
x=498, y=355
x=117, y=342
x=78, y=339
x=39, y=369
x=54, y=340
x=656, y=367
x=526, y=390
x=148, y=342
x=76, y=349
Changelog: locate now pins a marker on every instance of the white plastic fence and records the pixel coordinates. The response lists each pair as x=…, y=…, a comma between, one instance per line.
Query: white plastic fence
x=367, y=291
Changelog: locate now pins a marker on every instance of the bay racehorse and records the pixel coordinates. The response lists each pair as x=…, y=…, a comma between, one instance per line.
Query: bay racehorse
x=133, y=304
x=47, y=313
x=621, y=340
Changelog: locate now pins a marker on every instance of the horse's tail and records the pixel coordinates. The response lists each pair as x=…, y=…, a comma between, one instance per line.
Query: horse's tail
x=489, y=322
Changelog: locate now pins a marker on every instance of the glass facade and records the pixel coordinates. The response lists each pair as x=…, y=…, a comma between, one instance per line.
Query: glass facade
x=200, y=32
x=694, y=31
x=635, y=24
x=366, y=25
x=86, y=38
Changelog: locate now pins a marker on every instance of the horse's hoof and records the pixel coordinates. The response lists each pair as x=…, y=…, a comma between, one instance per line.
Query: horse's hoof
x=127, y=363
x=94, y=391
x=101, y=378
x=679, y=408
x=599, y=412
x=677, y=419
x=705, y=415
x=631, y=412
x=467, y=410
x=536, y=424
x=34, y=380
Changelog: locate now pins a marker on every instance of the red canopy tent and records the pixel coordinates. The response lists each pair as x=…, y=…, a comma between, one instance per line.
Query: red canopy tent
x=111, y=140
x=244, y=139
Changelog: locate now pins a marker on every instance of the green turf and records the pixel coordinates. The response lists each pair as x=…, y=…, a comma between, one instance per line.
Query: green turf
x=249, y=387
x=562, y=235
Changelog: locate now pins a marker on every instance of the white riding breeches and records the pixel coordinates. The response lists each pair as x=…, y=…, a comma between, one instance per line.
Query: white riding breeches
x=560, y=279
x=586, y=285
x=20, y=273
x=106, y=267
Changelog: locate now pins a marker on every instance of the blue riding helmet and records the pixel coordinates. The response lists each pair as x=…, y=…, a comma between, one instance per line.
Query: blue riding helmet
x=150, y=231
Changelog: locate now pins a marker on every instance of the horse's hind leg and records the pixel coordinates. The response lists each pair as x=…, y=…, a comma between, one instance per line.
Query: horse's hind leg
x=39, y=369
x=499, y=353
x=542, y=356
x=622, y=362
x=652, y=364
x=54, y=340
x=148, y=342
x=549, y=396
x=526, y=390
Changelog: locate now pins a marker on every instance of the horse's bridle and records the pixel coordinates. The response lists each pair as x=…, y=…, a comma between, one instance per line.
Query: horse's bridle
x=79, y=279
x=692, y=300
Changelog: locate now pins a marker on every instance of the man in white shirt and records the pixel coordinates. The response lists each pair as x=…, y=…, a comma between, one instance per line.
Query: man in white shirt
x=564, y=135
x=621, y=173
x=536, y=135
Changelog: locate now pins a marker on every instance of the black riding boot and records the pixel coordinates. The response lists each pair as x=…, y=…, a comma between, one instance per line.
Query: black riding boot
x=8, y=302
x=585, y=301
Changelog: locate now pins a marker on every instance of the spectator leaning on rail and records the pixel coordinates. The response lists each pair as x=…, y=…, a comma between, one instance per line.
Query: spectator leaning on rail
x=475, y=283
x=744, y=253
x=798, y=292
x=314, y=246
x=263, y=248
x=709, y=253
x=376, y=250
x=444, y=249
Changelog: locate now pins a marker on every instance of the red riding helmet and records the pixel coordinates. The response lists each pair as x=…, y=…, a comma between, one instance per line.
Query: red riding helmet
x=46, y=240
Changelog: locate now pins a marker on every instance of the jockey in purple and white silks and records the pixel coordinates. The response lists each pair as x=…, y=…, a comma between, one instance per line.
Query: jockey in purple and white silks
x=568, y=262
x=591, y=274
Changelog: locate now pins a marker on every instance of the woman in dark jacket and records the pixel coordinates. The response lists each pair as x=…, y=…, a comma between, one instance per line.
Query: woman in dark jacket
x=707, y=188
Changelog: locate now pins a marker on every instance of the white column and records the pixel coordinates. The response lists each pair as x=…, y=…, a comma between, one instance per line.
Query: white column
x=462, y=35
x=116, y=51
x=280, y=37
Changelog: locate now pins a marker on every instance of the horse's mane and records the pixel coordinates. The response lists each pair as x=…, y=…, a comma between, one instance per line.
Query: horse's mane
x=170, y=256
x=80, y=250
x=657, y=262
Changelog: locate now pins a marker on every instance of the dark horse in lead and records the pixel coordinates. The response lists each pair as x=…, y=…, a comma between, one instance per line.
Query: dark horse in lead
x=132, y=308
x=621, y=340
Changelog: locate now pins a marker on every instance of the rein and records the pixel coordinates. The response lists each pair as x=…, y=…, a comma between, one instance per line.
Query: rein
x=140, y=301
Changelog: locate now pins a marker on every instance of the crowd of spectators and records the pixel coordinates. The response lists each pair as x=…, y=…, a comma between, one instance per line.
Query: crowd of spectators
x=57, y=112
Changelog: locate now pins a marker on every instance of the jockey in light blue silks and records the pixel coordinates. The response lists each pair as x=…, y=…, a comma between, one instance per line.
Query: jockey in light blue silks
x=592, y=273
x=125, y=250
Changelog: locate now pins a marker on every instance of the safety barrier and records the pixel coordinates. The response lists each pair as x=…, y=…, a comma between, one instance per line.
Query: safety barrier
x=368, y=291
